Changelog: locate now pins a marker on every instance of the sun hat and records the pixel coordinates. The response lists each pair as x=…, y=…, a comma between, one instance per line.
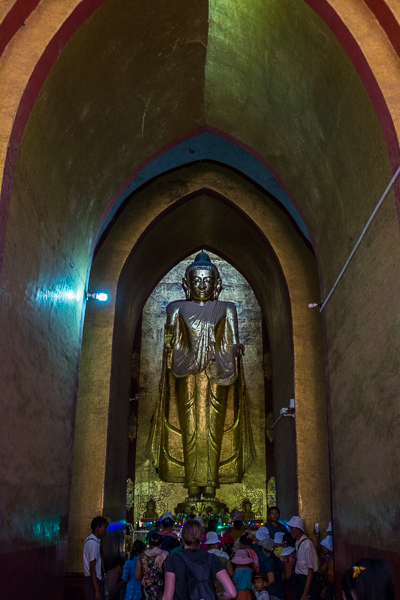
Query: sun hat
x=262, y=533
x=278, y=537
x=287, y=551
x=329, y=528
x=242, y=558
x=228, y=538
x=212, y=538
x=296, y=522
x=268, y=544
x=167, y=515
x=328, y=543
x=200, y=520
x=237, y=516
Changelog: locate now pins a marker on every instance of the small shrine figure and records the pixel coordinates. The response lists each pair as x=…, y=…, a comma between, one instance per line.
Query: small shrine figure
x=248, y=514
x=150, y=512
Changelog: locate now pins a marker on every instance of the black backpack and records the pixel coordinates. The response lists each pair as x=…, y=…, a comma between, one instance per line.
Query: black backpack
x=200, y=586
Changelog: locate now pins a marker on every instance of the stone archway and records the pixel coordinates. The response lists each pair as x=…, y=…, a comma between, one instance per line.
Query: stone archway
x=156, y=230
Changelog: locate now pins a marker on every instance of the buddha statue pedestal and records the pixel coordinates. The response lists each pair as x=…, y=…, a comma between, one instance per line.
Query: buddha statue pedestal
x=204, y=507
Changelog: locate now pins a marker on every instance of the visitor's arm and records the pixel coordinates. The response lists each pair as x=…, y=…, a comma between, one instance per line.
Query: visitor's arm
x=271, y=578
x=323, y=568
x=92, y=570
x=169, y=586
x=230, y=569
x=287, y=571
x=226, y=582
x=138, y=570
x=308, y=584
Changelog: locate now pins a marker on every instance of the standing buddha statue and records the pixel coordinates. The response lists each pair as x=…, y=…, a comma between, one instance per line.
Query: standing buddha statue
x=202, y=382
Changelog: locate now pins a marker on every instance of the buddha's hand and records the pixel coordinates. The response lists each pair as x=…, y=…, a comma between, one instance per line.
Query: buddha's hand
x=169, y=337
x=238, y=350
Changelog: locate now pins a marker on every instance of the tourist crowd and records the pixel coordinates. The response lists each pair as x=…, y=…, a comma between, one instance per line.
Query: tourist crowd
x=274, y=562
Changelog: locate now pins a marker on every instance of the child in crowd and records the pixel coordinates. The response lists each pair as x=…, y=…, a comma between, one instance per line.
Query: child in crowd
x=288, y=557
x=326, y=570
x=133, y=589
x=260, y=583
x=242, y=575
x=228, y=543
x=114, y=588
x=368, y=579
x=246, y=543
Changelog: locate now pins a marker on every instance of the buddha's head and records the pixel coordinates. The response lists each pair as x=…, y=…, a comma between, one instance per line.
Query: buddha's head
x=247, y=505
x=151, y=504
x=202, y=281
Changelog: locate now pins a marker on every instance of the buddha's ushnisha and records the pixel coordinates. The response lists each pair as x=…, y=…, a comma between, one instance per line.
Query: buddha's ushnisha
x=202, y=375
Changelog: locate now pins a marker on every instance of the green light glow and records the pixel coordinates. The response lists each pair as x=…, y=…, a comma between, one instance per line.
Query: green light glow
x=48, y=529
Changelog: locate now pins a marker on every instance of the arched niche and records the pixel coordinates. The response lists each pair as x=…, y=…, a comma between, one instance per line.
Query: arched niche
x=200, y=206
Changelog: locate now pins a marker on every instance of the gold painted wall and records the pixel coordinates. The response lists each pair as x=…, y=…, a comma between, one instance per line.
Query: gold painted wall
x=235, y=289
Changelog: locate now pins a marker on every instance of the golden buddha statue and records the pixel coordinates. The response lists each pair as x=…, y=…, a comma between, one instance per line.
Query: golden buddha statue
x=248, y=514
x=150, y=512
x=201, y=435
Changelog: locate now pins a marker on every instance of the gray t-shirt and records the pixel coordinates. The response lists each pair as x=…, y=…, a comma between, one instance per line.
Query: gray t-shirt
x=183, y=575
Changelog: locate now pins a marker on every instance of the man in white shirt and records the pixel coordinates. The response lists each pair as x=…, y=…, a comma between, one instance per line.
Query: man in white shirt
x=92, y=563
x=307, y=562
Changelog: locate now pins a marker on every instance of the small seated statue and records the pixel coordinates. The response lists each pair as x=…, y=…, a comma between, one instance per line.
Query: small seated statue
x=150, y=512
x=248, y=514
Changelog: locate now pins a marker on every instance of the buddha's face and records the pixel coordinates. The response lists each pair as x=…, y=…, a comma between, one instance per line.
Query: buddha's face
x=247, y=507
x=202, y=284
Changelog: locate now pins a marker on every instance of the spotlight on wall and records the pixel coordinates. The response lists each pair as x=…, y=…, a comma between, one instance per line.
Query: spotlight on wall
x=315, y=304
x=100, y=296
x=286, y=412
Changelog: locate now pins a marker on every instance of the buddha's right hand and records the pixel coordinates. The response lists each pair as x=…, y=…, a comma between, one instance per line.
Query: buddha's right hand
x=168, y=337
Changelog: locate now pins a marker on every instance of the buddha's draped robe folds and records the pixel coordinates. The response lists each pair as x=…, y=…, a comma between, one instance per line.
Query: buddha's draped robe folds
x=200, y=434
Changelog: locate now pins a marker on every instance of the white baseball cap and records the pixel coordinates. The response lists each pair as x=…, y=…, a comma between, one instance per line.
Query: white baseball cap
x=262, y=533
x=167, y=516
x=296, y=522
x=287, y=551
x=278, y=537
x=328, y=543
x=212, y=538
x=329, y=528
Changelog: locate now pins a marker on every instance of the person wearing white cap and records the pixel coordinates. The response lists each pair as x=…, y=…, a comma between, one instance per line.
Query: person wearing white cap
x=279, y=545
x=166, y=532
x=326, y=569
x=307, y=563
x=261, y=534
x=270, y=564
x=212, y=542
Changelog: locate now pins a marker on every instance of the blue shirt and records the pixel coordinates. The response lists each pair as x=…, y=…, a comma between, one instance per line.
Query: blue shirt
x=268, y=564
x=242, y=579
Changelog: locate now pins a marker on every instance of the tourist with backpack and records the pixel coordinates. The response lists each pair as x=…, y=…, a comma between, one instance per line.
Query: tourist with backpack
x=190, y=574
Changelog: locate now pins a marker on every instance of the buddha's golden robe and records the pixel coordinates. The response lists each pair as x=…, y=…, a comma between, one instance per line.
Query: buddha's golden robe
x=201, y=435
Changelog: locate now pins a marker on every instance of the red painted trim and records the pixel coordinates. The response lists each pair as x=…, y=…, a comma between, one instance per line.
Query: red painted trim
x=325, y=11
x=387, y=21
x=81, y=13
x=14, y=19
